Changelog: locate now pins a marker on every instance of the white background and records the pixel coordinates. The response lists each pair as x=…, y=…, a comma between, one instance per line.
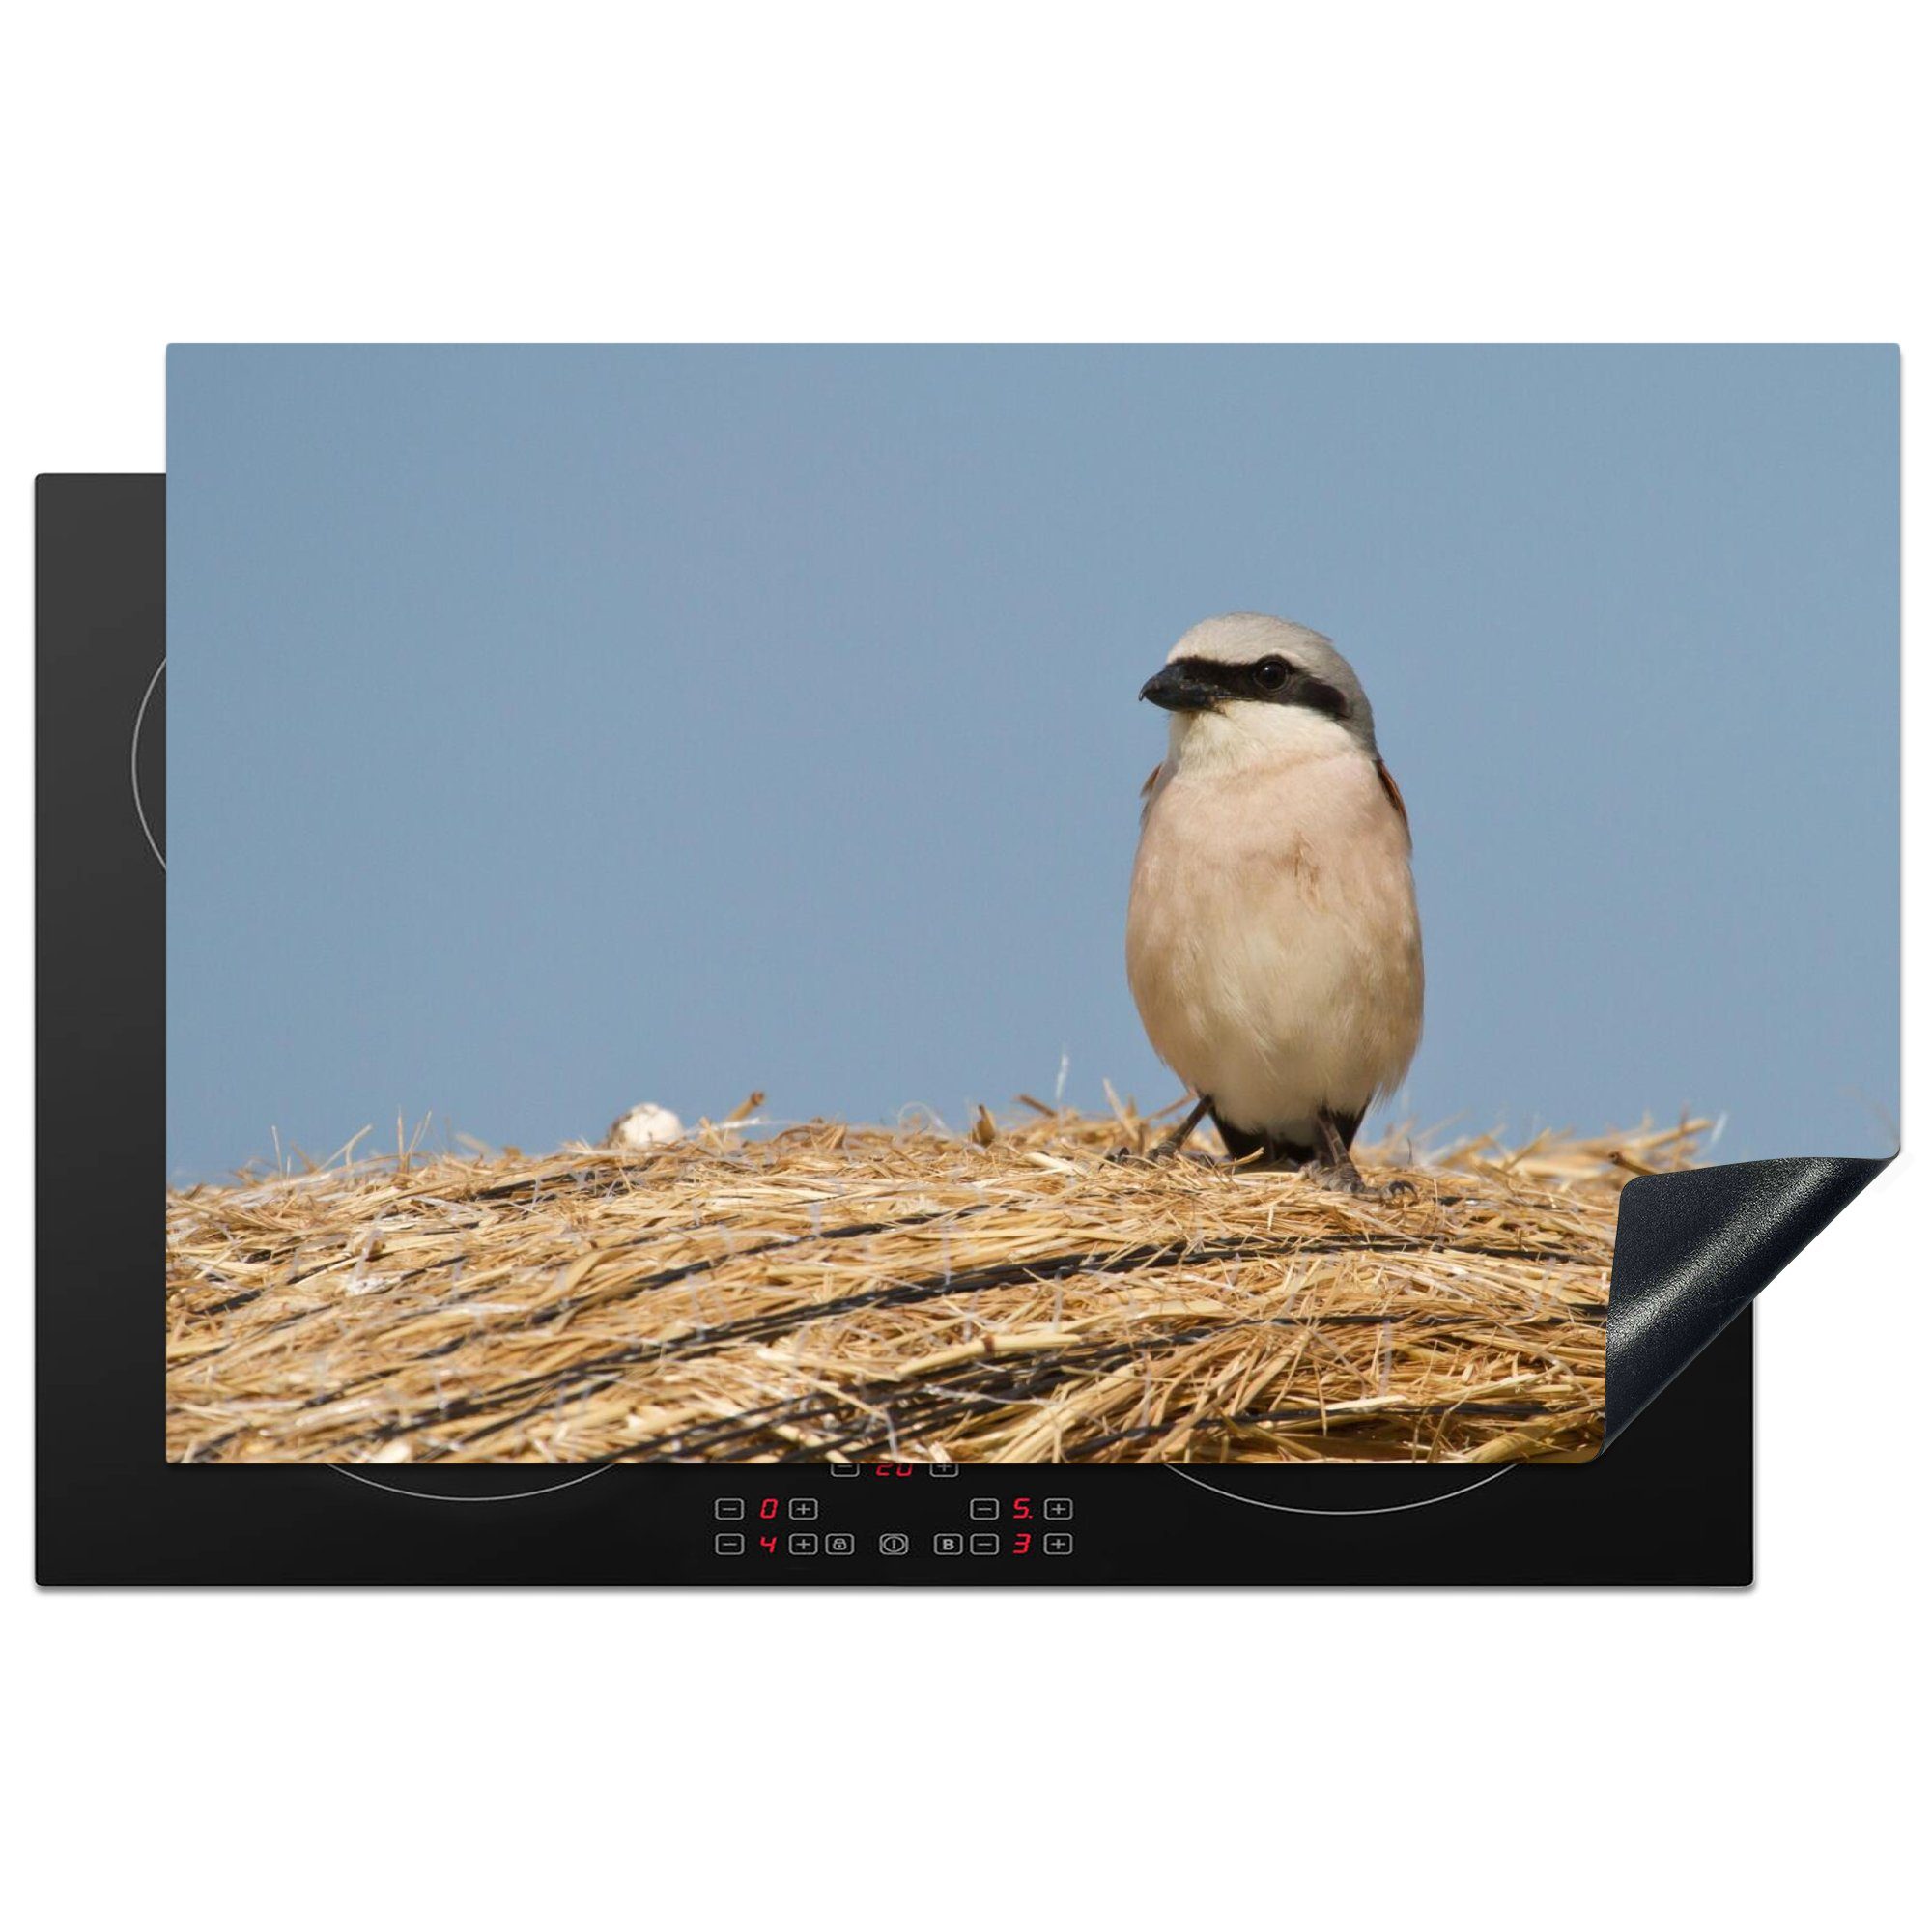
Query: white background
x=1378, y=172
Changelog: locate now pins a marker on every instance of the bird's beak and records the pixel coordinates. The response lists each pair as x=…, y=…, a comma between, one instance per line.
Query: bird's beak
x=1173, y=690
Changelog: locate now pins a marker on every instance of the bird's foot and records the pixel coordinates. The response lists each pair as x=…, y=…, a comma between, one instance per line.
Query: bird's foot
x=1166, y=1148
x=1332, y=1166
x=1342, y=1175
x=1170, y=1145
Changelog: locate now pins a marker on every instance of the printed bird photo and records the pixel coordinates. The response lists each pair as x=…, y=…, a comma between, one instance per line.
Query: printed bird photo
x=664, y=965
x=1272, y=939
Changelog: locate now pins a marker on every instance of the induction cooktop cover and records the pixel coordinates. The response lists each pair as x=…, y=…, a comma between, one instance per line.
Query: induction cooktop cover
x=501, y=743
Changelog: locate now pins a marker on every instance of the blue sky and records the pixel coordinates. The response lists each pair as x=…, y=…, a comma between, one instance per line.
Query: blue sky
x=556, y=728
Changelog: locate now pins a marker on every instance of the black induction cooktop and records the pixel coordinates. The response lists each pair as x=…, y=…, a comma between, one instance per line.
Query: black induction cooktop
x=1669, y=1502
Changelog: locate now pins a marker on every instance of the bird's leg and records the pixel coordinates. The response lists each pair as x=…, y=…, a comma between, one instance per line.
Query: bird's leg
x=1172, y=1143
x=1332, y=1164
x=1169, y=1144
x=1338, y=1170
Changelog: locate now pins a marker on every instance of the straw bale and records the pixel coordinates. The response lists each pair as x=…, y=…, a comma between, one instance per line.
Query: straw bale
x=819, y=1291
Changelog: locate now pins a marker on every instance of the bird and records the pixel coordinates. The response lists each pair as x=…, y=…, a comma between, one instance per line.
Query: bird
x=1274, y=950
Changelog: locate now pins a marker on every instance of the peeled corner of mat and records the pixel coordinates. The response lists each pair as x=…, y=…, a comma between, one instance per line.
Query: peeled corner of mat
x=1693, y=1248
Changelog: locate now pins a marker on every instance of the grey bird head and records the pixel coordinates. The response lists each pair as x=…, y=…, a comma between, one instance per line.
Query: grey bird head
x=1248, y=659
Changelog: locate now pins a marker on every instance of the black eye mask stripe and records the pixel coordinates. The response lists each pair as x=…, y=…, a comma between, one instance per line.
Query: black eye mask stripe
x=1240, y=681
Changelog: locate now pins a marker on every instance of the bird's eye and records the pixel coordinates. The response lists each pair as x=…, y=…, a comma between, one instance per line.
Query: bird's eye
x=1271, y=673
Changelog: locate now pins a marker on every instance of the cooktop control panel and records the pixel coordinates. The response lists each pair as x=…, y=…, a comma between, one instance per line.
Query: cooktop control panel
x=914, y=1514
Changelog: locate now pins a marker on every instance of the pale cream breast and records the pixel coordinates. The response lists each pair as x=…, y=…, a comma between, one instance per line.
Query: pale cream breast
x=1273, y=947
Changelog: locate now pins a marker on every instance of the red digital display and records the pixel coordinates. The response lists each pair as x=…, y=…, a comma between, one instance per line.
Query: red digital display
x=976, y=1537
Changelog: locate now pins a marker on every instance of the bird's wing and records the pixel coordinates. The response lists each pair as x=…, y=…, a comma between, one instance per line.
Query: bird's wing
x=1147, y=794
x=1394, y=792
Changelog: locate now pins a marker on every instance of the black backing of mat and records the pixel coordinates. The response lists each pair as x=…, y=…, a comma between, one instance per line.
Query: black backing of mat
x=1694, y=1248
x=1673, y=1506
